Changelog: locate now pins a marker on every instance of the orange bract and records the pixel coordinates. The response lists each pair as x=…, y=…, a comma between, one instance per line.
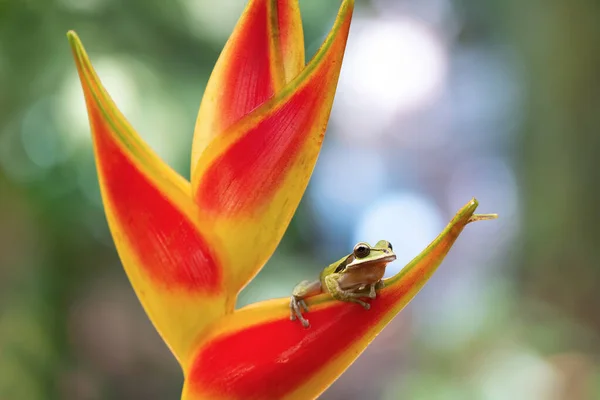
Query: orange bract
x=189, y=247
x=251, y=176
x=257, y=352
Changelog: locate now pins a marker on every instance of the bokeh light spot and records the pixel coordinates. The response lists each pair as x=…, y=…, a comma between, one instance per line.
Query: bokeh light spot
x=39, y=138
x=391, y=67
x=206, y=20
x=410, y=221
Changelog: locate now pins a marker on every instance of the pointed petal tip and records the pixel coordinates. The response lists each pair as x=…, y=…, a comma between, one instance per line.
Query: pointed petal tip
x=77, y=49
x=73, y=39
x=346, y=5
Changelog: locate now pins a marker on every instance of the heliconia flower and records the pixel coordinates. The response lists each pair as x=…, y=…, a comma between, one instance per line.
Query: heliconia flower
x=188, y=248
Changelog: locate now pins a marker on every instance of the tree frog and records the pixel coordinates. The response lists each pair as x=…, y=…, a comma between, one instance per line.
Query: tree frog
x=351, y=278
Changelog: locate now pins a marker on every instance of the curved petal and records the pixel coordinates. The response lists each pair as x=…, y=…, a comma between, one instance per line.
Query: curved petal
x=258, y=353
x=165, y=252
x=265, y=50
x=249, y=181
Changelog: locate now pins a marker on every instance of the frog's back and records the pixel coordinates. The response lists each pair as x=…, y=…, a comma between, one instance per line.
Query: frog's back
x=336, y=267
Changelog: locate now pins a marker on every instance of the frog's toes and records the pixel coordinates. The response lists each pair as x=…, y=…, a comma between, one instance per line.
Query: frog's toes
x=364, y=304
x=296, y=305
x=303, y=305
x=294, y=310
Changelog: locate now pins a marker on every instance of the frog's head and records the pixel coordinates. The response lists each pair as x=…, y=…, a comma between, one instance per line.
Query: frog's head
x=365, y=255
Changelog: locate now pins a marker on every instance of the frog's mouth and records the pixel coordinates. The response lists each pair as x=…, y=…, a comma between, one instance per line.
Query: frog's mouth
x=388, y=259
x=383, y=261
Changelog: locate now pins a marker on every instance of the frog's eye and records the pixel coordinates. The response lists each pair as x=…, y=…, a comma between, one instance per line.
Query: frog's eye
x=361, y=250
x=390, y=246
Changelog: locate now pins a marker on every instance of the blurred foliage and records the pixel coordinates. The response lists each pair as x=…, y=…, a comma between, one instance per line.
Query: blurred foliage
x=70, y=325
x=561, y=261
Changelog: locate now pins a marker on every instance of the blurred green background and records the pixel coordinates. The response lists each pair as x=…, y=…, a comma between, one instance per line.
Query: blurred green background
x=438, y=101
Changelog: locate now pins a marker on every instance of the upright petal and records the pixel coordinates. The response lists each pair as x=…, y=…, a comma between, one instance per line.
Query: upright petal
x=265, y=50
x=249, y=181
x=175, y=272
x=258, y=353
x=289, y=42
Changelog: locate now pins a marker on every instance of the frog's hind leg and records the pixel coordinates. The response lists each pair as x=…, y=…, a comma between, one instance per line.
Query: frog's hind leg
x=368, y=290
x=344, y=295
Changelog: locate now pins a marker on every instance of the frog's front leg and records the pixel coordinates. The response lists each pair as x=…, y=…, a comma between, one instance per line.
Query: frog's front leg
x=375, y=286
x=372, y=293
x=369, y=290
x=333, y=287
x=301, y=291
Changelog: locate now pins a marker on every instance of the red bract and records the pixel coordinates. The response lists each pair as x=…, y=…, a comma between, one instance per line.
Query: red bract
x=189, y=247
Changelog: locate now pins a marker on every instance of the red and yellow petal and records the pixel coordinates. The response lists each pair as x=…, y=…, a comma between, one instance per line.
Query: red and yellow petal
x=258, y=353
x=265, y=50
x=249, y=181
x=170, y=259
x=289, y=42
